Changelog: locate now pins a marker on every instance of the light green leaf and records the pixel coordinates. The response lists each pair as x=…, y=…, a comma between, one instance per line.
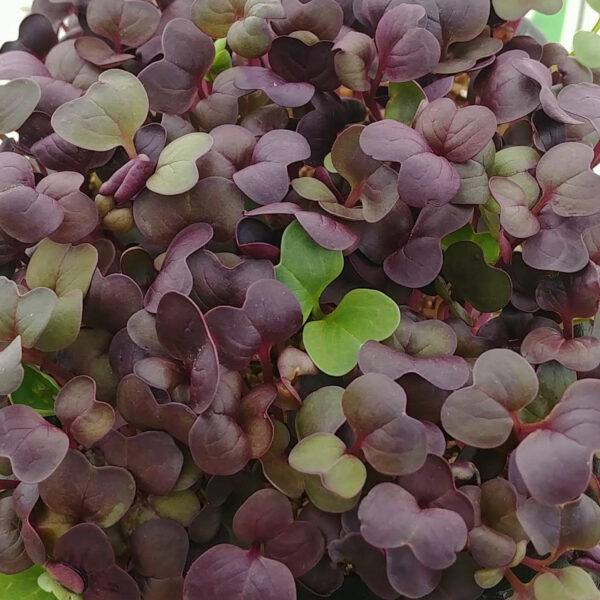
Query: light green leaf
x=221, y=63
x=346, y=477
x=513, y=160
x=64, y=325
x=18, y=99
x=586, y=46
x=176, y=171
x=49, y=585
x=595, y=4
x=26, y=315
x=306, y=268
x=571, y=583
x=23, y=586
x=404, y=101
x=486, y=241
x=512, y=10
x=107, y=116
x=11, y=370
x=324, y=500
x=312, y=189
x=317, y=453
x=38, y=390
x=334, y=342
x=62, y=267
x=321, y=411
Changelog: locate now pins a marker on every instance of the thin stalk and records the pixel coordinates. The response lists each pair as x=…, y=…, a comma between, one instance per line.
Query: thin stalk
x=264, y=356
x=52, y=368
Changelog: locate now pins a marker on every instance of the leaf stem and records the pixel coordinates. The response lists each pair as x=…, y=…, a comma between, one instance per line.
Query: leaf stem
x=264, y=355
x=52, y=368
x=516, y=584
x=596, y=27
x=596, y=160
x=129, y=147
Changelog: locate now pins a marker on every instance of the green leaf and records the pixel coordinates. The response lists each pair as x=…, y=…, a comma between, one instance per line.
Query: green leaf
x=62, y=267
x=554, y=380
x=571, y=583
x=321, y=411
x=586, y=46
x=26, y=315
x=595, y=4
x=49, y=585
x=18, y=99
x=176, y=171
x=67, y=270
x=221, y=63
x=486, y=241
x=511, y=10
x=107, y=116
x=64, y=325
x=334, y=342
x=404, y=101
x=487, y=289
x=23, y=586
x=317, y=453
x=324, y=500
x=514, y=159
x=38, y=390
x=306, y=268
x=312, y=189
x=346, y=477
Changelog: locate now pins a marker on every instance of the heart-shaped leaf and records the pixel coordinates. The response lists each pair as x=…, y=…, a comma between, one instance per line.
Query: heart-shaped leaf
x=176, y=170
x=465, y=268
x=100, y=495
x=333, y=343
x=34, y=447
x=480, y=415
x=37, y=389
x=107, y=116
x=306, y=268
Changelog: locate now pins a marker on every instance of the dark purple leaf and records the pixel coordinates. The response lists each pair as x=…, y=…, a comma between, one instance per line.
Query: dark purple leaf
x=188, y=55
x=34, y=447
x=175, y=275
x=270, y=314
x=226, y=571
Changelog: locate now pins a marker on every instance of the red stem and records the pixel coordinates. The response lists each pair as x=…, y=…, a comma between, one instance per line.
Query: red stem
x=264, y=355
x=516, y=584
x=52, y=368
x=542, y=202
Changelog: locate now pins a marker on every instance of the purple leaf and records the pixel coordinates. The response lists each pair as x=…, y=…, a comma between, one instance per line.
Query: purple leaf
x=215, y=283
x=419, y=261
x=279, y=90
x=544, y=344
x=188, y=55
x=226, y=571
x=234, y=429
x=265, y=515
x=406, y=49
x=270, y=314
x=398, y=529
x=34, y=447
x=82, y=492
x=571, y=431
x=457, y=134
x=183, y=332
x=175, y=275
x=393, y=443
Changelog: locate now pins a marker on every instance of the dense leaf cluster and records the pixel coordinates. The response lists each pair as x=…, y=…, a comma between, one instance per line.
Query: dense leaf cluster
x=297, y=300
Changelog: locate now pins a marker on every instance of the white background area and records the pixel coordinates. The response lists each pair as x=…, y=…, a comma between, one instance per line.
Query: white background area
x=11, y=14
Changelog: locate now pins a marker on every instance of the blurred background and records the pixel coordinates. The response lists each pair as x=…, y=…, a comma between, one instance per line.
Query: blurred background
x=575, y=15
